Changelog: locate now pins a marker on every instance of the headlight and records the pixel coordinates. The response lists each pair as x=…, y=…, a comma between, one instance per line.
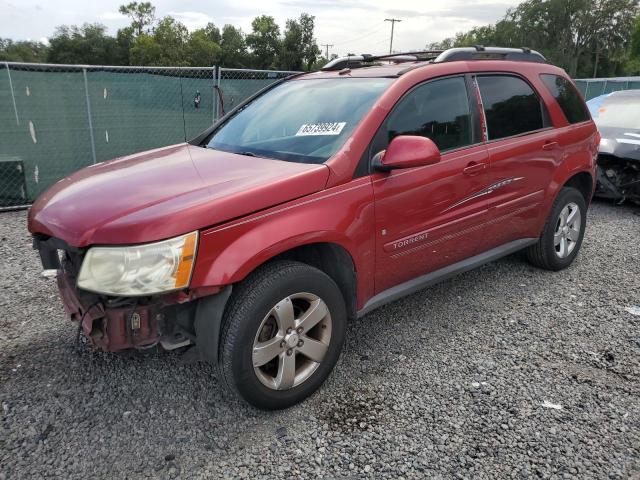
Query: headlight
x=139, y=269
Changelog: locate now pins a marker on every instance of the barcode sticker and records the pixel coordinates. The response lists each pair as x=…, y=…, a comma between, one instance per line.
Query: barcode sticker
x=327, y=128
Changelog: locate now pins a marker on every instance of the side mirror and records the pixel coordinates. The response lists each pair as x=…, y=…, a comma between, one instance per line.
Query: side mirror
x=407, y=151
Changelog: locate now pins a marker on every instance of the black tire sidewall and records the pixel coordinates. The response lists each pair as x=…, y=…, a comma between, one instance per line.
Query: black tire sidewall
x=565, y=197
x=303, y=279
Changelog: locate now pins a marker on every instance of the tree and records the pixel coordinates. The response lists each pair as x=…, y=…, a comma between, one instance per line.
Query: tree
x=87, y=44
x=310, y=49
x=299, y=48
x=125, y=38
x=25, y=51
x=233, y=49
x=145, y=51
x=292, y=56
x=586, y=37
x=142, y=15
x=202, y=50
x=166, y=47
x=264, y=41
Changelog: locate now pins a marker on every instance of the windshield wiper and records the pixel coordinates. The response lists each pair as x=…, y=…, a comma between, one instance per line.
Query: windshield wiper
x=248, y=154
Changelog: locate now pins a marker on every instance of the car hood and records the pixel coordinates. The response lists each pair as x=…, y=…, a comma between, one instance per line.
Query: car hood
x=166, y=192
x=620, y=142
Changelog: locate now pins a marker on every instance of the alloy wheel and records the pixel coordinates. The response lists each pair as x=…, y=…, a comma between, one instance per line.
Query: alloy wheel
x=292, y=340
x=567, y=232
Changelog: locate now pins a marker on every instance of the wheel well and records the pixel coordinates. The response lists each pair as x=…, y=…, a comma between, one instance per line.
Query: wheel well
x=583, y=183
x=333, y=260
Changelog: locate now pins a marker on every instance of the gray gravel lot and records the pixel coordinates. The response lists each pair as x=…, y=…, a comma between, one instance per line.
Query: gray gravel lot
x=503, y=372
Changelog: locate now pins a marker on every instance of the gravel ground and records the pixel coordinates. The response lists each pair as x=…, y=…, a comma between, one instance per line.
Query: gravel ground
x=504, y=372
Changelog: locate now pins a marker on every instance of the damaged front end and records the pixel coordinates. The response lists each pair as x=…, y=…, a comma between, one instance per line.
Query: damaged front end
x=618, y=178
x=113, y=323
x=617, y=116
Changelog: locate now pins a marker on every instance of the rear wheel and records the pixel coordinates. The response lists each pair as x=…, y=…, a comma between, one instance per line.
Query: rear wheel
x=563, y=233
x=282, y=334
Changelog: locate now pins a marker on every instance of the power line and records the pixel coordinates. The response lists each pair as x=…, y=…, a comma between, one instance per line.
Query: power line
x=368, y=33
x=393, y=22
x=326, y=45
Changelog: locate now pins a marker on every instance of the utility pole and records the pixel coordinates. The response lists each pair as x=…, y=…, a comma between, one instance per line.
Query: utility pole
x=393, y=22
x=326, y=45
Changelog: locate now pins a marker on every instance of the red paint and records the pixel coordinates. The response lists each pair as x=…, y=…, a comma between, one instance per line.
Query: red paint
x=249, y=209
x=408, y=151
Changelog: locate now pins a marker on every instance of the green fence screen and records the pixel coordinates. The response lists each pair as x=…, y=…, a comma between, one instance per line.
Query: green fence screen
x=57, y=119
x=594, y=87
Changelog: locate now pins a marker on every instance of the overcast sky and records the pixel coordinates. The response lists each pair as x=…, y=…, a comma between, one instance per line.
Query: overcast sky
x=352, y=26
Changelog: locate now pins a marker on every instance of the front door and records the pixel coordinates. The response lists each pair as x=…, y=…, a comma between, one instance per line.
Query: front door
x=429, y=217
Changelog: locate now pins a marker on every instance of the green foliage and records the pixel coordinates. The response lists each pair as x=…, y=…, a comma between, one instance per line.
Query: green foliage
x=142, y=15
x=299, y=48
x=168, y=42
x=202, y=49
x=635, y=40
x=26, y=51
x=233, y=49
x=88, y=44
x=166, y=46
x=586, y=37
x=292, y=55
x=264, y=41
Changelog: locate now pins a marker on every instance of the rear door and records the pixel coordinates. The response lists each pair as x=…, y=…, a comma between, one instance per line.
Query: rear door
x=432, y=216
x=523, y=154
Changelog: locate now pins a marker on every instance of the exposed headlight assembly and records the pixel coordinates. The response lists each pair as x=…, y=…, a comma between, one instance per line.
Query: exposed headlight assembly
x=140, y=269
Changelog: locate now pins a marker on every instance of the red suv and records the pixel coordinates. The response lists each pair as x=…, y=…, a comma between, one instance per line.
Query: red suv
x=322, y=197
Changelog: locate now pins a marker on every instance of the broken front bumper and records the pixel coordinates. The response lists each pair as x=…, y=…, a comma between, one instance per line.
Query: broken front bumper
x=618, y=178
x=110, y=327
x=174, y=319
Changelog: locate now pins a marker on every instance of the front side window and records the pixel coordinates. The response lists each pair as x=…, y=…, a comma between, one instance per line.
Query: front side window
x=303, y=121
x=511, y=106
x=567, y=97
x=438, y=110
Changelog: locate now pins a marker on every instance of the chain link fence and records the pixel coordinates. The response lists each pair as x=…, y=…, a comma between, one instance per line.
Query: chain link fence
x=56, y=119
x=594, y=87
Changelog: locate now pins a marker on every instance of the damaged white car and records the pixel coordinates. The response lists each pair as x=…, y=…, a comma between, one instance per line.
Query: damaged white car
x=617, y=116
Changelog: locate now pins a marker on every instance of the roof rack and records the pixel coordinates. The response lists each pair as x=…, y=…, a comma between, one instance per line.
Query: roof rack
x=368, y=60
x=480, y=52
x=477, y=52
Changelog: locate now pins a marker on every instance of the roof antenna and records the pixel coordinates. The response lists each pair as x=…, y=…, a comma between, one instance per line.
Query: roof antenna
x=479, y=48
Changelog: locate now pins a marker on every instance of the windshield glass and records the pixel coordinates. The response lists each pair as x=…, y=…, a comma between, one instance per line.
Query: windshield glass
x=302, y=121
x=618, y=112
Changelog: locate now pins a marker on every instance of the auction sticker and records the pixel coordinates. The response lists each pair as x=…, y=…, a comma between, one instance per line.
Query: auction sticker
x=327, y=128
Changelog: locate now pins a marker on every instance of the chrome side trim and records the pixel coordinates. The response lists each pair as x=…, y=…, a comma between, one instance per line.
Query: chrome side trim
x=418, y=283
x=490, y=189
x=461, y=233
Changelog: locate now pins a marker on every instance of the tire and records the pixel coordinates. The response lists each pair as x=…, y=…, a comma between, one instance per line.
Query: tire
x=548, y=253
x=268, y=299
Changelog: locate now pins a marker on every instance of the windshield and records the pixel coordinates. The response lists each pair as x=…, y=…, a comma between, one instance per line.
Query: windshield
x=618, y=112
x=303, y=121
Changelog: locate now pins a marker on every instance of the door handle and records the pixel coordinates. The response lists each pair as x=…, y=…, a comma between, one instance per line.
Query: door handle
x=474, y=168
x=549, y=145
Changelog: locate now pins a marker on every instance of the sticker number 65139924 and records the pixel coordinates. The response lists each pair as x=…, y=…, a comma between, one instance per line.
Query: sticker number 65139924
x=326, y=128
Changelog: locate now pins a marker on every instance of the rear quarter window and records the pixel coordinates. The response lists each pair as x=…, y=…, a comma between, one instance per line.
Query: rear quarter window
x=567, y=97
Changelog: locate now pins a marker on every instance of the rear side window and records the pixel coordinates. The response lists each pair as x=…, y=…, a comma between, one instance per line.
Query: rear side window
x=438, y=110
x=567, y=97
x=511, y=106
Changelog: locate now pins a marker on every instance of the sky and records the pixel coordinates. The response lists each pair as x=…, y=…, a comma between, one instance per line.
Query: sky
x=351, y=26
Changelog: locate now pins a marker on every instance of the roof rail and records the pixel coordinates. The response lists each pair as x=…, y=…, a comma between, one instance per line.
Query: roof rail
x=367, y=60
x=479, y=52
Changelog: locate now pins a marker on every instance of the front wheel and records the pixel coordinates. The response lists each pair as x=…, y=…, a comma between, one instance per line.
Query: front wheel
x=562, y=236
x=282, y=334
